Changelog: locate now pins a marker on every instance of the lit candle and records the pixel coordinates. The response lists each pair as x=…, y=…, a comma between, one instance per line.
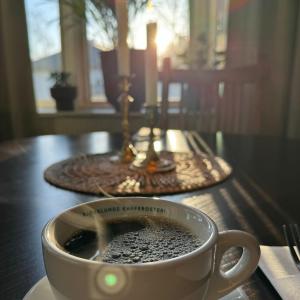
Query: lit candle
x=122, y=49
x=151, y=66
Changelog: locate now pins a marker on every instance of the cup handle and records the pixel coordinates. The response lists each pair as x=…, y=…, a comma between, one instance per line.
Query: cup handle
x=223, y=283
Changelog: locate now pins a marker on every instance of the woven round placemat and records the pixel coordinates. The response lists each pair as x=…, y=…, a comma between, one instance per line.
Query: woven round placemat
x=97, y=173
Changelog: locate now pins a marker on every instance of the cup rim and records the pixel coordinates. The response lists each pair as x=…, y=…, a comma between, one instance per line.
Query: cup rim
x=63, y=255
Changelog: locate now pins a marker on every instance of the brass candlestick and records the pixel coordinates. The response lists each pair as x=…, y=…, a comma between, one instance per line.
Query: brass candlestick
x=152, y=162
x=128, y=152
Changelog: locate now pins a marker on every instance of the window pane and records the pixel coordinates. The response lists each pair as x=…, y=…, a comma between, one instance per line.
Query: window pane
x=221, y=32
x=96, y=76
x=97, y=40
x=45, y=47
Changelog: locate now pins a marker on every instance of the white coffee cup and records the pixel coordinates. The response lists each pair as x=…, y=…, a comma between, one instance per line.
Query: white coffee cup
x=191, y=276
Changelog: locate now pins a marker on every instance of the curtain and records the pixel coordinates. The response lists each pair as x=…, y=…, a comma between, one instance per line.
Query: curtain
x=17, y=109
x=265, y=33
x=293, y=117
x=5, y=119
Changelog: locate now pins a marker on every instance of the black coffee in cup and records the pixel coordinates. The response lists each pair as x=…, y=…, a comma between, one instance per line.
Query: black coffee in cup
x=135, y=240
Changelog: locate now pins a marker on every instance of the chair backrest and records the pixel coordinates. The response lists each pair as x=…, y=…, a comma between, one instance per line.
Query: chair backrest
x=227, y=100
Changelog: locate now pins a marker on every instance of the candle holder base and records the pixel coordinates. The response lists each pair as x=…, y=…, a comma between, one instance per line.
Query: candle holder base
x=127, y=155
x=157, y=165
x=151, y=161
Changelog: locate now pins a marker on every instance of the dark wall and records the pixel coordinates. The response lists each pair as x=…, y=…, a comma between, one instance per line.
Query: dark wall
x=5, y=117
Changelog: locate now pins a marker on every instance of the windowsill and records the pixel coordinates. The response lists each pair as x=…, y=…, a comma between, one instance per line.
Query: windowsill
x=90, y=112
x=81, y=111
x=91, y=119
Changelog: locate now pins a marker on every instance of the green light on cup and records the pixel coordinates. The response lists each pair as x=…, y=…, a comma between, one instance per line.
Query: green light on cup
x=110, y=279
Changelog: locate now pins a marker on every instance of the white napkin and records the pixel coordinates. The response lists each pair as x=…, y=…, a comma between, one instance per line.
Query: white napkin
x=278, y=266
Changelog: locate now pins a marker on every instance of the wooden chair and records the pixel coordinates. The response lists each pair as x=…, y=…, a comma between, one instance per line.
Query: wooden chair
x=227, y=100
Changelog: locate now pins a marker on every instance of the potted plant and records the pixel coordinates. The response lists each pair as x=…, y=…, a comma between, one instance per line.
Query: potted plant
x=63, y=93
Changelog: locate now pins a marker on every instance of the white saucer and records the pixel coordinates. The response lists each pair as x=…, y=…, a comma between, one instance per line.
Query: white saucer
x=42, y=290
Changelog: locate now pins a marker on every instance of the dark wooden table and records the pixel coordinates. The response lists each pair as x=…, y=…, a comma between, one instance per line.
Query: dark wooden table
x=262, y=194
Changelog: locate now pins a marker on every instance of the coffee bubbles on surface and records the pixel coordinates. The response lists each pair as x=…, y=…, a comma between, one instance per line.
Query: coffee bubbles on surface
x=135, y=240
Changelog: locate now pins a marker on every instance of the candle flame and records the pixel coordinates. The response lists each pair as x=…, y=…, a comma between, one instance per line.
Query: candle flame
x=163, y=41
x=149, y=5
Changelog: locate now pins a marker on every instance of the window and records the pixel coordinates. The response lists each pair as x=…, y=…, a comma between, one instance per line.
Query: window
x=173, y=40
